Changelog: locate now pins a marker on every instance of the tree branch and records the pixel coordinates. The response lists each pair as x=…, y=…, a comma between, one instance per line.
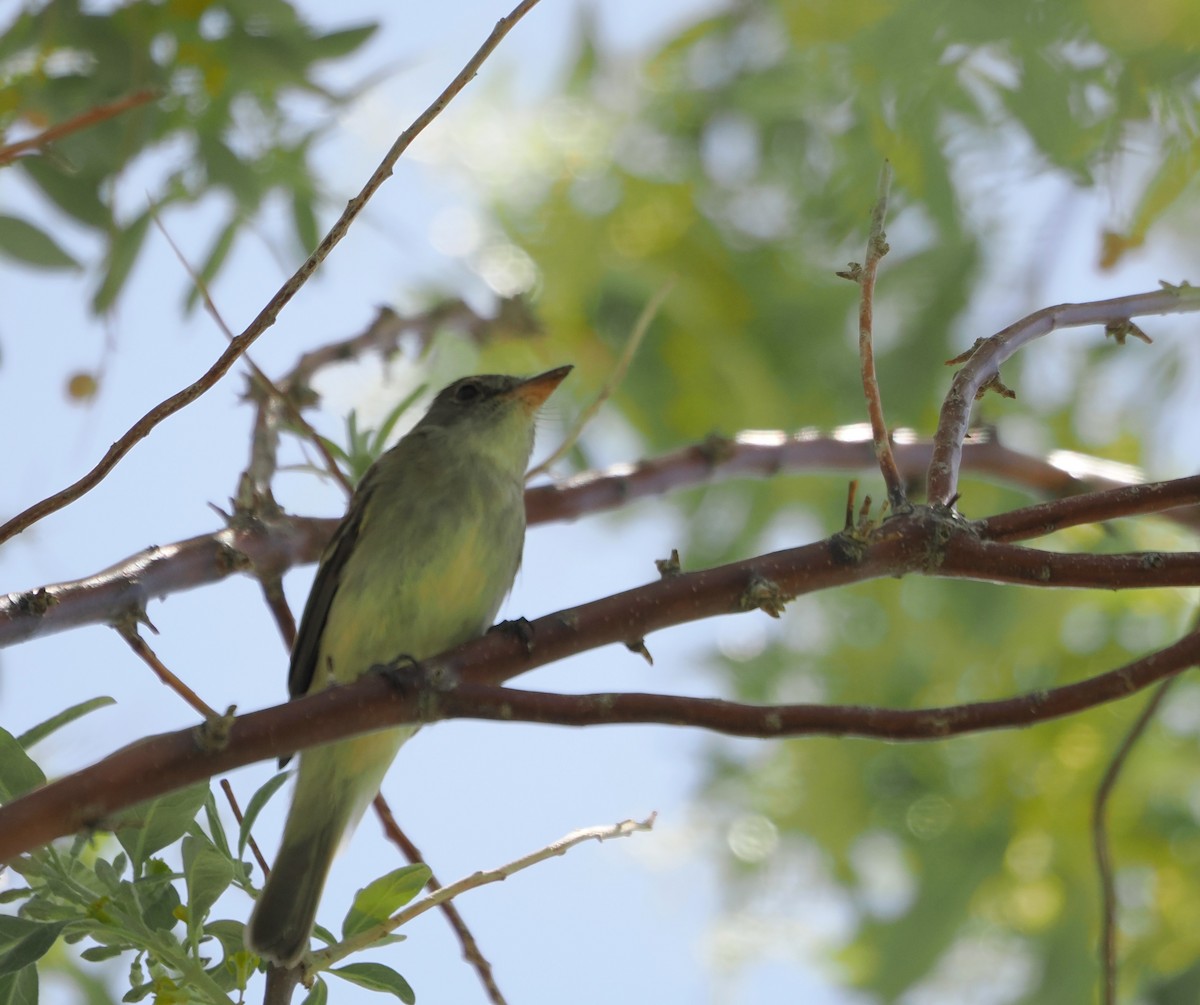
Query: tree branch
x=922, y=541
x=984, y=366
x=269, y=546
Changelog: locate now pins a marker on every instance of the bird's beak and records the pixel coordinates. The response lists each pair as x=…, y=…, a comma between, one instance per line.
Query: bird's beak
x=534, y=391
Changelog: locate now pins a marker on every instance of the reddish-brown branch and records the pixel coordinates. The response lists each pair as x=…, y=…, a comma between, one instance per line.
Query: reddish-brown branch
x=917, y=542
x=267, y=316
x=1094, y=507
x=237, y=813
x=984, y=366
x=268, y=548
x=85, y=120
x=127, y=629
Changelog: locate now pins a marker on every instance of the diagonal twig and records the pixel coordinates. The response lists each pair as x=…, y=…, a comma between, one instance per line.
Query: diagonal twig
x=625, y=828
x=1108, y=892
x=77, y=123
x=470, y=948
x=267, y=316
x=640, y=327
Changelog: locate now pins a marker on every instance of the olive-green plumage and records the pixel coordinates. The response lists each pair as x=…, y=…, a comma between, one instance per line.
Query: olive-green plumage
x=425, y=555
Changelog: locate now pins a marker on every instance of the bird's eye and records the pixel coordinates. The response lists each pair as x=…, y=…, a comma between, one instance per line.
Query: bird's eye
x=467, y=392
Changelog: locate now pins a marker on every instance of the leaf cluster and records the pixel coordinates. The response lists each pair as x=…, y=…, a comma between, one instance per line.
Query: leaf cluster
x=134, y=904
x=224, y=125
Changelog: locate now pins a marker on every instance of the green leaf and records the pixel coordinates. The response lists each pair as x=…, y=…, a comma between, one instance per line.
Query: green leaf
x=255, y=806
x=122, y=255
x=56, y=722
x=304, y=219
x=377, y=977
x=18, y=772
x=108, y=874
x=74, y=194
x=207, y=874
x=319, y=994
x=26, y=243
x=380, y=899
x=20, y=987
x=215, y=259
x=216, y=829
x=157, y=897
x=23, y=942
x=138, y=993
x=379, y=440
x=97, y=954
x=145, y=828
x=342, y=42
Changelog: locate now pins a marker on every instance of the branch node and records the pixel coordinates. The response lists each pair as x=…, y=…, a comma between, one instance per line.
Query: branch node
x=994, y=383
x=212, y=735
x=1123, y=329
x=639, y=647
x=668, y=567
x=716, y=449
x=763, y=595
x=519, y=628
x=35, y=602
x=962, y=357
x=852, y=272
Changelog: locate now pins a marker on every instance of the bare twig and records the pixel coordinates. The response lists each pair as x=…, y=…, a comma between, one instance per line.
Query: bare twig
x=1108, y=893
x=876, y=249
x=984, y=363
x=127, y=629
x=470, y=948
x=326, y=957
x=268, y=389
x=77, y=123
x=267, y=316
x=641, y=326
x=237, y=814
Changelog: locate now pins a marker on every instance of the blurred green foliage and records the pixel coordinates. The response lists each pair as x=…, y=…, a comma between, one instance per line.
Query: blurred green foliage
x=221, y=125
x=741, y=158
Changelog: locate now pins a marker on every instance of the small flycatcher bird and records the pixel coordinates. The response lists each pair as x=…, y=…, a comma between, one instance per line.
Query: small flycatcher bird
x=426, y=553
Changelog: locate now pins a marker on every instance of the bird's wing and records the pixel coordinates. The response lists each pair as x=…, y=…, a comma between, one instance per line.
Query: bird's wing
x=324, y=589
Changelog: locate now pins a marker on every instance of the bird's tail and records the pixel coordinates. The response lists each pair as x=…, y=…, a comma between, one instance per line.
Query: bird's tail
x=334, y=785
x=283, y=918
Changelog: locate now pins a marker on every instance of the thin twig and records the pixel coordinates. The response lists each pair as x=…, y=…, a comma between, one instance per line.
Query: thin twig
x=983, y=365
x=470, y=948
x=85, y=120
x=327, y=957
x=128, y=631
x=1108, y=892
x=641, y=326
x=876, y=249
x=264, y=382
x=237, y=813
x=267, y=316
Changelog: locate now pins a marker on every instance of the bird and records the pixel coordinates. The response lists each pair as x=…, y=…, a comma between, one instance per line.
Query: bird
x=427, y=551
